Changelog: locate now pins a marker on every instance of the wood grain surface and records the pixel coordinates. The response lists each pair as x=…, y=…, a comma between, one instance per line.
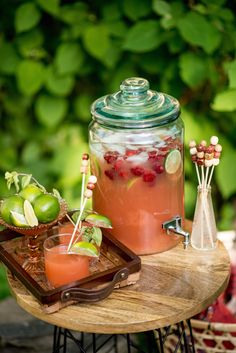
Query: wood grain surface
x=173, y=286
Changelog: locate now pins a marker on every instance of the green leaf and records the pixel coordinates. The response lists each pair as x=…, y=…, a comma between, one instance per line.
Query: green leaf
x=97, y=236
x=50, y=6
x=27, y=16
x=25, y=180
x=69, y=58
x=50, y=110
x=225, y=101
x=30, y=76
x=117, y=28
x=31, y=152
x=134, y=9
x=74, y=13
x=82, y=105
x=197, y=30
x=111, y=11
x=226, y=171
x=231, y=70
x=58, y=84
x=96, y=41
x=8, y=58
x=192, y=78
x=161, y=8
x=144, y=36
x=28, y=42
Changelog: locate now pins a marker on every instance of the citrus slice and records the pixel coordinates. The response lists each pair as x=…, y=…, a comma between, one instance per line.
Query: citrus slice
x=30, y=216
x=18, y=219
x=131, y=182
x=11, y=203
x=98, y=220
x=84, y=248
x=173, y=161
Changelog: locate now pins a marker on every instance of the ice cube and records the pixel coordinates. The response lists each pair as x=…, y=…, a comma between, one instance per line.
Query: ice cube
x=140, y=158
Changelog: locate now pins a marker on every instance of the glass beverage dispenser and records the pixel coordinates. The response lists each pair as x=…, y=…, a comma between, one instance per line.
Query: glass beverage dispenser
x=136, y=147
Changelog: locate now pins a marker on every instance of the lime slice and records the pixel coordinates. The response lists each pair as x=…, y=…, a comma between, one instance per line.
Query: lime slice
x=84, y=248
x=18, y=219
x=30, y=216
x=173, y=161
x=98, y=220
x=131, y=182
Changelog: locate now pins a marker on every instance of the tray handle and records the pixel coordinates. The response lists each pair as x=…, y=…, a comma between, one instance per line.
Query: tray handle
x=93, y=295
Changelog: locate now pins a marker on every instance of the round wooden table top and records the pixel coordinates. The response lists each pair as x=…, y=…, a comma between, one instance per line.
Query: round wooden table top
x=173, y=286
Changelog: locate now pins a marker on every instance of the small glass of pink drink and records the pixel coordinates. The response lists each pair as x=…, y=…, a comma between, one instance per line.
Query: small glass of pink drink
x=62, y=266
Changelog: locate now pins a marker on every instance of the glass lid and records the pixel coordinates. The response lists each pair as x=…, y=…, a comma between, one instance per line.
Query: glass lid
x=135, y=106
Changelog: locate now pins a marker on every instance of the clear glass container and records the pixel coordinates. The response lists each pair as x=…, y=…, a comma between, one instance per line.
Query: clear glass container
x=204, y=231
x=136, y=148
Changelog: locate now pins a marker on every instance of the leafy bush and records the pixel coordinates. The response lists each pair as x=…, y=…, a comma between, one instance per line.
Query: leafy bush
x=58, y=56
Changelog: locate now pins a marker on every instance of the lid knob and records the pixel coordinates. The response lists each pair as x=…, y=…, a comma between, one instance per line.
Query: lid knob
x=134, y=88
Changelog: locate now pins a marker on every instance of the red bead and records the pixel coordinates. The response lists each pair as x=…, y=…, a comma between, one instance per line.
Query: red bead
x=200, y=161
x=194, y=158
x=200, y=148
x=90, y=186
x=85, y=156
x=217, y=154
x=210, y=149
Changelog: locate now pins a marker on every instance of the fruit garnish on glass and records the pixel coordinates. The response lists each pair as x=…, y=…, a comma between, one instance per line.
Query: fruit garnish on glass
x=69, y=253
x=86, y=235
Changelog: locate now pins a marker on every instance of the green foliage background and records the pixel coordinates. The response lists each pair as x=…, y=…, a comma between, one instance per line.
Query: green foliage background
x=56, y=57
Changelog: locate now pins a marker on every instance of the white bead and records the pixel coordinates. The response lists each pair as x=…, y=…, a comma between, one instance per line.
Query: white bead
x=83, y=170
x=193, y=151
x=84, y=162
x=214, y=140
x=200, y=155
x=203, y=143
x=88, y=193
x=92, y=179
x=215, y=161
x=192, y=143
x=208, y=162
x=218, y=148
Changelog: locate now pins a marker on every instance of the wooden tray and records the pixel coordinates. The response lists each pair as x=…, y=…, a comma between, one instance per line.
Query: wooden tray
x=117, y=266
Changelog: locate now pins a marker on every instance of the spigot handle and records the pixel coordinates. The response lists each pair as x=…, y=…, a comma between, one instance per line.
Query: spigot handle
x=174, y=225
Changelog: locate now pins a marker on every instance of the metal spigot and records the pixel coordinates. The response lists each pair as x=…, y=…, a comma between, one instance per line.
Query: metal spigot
x=175, y=226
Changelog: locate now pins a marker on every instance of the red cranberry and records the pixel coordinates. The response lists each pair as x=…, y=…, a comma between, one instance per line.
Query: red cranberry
x=119, y=163
x=123, y=173
x=138, y=171
x=159, y=169
x=110, y=173
x=129, y=153
x=164, y=150
x=194, y=158
x=111, y=156
x=152, y=154
x=149, y=176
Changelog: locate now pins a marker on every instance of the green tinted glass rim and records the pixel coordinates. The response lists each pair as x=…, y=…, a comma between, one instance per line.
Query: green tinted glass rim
x=135, y=106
